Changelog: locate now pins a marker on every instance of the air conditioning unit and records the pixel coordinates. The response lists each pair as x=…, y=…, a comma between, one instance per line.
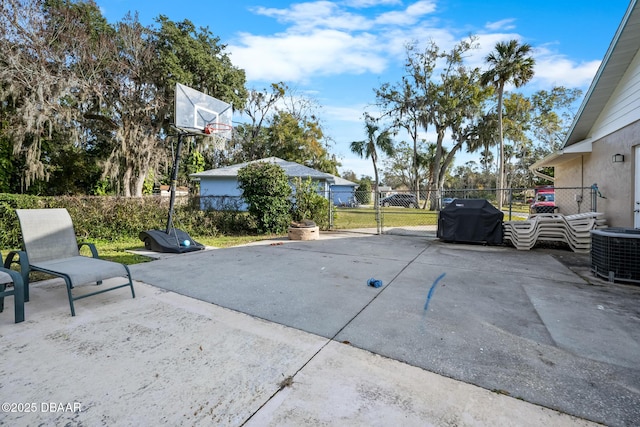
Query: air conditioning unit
x=615, y=254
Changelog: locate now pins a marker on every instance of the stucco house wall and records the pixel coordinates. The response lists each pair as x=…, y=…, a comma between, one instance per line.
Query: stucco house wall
x=608, y=123
x=614, y=180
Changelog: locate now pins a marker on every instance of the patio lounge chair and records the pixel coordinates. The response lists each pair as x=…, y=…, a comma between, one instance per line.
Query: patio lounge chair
x=571, y=229
x=9, y=276
x=50, y=246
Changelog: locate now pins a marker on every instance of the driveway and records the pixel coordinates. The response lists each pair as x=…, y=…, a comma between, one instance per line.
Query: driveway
x=295, y=335
x=520, y=323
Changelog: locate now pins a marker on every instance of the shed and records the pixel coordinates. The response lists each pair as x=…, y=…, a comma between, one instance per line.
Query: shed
x=343, y=192
x=219, y=187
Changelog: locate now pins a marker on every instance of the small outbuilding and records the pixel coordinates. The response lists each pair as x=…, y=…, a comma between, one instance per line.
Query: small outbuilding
x=219, y=187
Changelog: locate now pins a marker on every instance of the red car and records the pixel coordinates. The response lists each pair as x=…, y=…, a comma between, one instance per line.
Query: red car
x=544, y=201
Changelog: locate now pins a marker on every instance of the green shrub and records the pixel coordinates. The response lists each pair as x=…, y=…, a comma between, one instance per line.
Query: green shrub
x=363, y=194
x=308, y=204
x=266, y=190
x=109, y=218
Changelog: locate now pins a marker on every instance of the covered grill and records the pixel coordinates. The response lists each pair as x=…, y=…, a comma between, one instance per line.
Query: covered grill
x=470, y=221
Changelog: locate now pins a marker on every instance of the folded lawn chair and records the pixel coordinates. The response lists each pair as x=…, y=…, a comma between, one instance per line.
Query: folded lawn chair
x=50, y=246
x=571, y=229
x=9, y=276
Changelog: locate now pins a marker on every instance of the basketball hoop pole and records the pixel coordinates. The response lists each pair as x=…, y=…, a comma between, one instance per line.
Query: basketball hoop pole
x=171, y=240
x=174, y=180
x=193, y=110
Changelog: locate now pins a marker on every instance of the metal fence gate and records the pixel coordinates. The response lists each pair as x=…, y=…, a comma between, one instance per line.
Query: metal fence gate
x=415, y=213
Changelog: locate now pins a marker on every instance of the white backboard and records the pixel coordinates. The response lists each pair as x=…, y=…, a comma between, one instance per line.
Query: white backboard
x=195, y=109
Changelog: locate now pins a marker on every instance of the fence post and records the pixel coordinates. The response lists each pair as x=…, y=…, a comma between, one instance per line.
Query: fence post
x=510, y=202
x=376, y=200
x=331, y=207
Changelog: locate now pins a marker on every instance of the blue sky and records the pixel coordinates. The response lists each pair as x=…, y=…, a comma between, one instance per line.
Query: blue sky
x=339, y=52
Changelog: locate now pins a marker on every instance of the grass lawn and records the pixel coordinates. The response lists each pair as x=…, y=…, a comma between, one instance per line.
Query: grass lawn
x=392, y=217
x=365, y=217
x=117, y=251
x=517, y=208
x=345, y=218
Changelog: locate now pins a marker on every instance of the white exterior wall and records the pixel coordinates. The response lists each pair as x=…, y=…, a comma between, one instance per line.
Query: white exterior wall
x=623, y=107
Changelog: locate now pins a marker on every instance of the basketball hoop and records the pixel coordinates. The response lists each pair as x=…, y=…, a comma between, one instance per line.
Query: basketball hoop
x=216, y=127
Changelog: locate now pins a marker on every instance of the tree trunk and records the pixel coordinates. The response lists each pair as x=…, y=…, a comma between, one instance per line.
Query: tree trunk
x=435, y=181
x=415, y=166
x=501, y=159
x=415, y=162
x=376, y=195
x=447, y=160
x=139, y=182
x=126, y=182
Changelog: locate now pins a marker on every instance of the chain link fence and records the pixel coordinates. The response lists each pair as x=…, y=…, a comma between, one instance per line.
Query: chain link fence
x=526, y=201
x=417, y=213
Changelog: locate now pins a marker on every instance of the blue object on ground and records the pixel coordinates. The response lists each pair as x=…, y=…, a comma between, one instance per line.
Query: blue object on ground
x=374, y=282
x=433, y=287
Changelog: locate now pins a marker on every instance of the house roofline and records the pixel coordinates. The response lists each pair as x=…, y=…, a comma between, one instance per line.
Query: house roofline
x=572, y=137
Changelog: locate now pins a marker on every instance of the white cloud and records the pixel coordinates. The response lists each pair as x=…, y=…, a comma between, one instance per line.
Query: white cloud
x=319, y=14
x=323, y=38
x=296, y=57
x=395, y=40
x=370, y=3
x=557, y=70
x=504, y=24
x=409, y=16
x=351, y=114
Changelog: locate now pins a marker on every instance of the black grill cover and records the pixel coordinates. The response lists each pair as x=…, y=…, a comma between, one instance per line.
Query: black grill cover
x=470, y=221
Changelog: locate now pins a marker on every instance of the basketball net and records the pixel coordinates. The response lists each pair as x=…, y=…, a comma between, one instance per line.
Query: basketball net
x=217, y=127
x=210, y=128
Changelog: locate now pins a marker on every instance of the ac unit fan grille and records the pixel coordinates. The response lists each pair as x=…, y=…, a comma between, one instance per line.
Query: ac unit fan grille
x=615, y=254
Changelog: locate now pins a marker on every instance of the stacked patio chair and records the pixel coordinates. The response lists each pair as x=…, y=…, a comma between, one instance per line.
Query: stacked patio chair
x=571, y=229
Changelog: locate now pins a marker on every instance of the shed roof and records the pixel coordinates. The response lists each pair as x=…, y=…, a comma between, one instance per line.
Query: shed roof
x=291, y=169
x=345, y=182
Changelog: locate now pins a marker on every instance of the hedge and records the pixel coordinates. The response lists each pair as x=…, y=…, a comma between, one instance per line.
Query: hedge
x=116, y=218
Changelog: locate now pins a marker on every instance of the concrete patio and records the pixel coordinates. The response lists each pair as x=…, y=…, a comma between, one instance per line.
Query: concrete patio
x=289, y=333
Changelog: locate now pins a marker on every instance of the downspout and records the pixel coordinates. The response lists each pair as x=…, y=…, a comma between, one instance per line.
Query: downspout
x=543, y=175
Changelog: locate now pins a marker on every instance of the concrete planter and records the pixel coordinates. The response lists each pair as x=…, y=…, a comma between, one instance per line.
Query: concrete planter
x=299, y=231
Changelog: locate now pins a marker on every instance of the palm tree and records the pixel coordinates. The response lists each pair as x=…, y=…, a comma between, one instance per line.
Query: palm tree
x=376, y=139
x=508, y=63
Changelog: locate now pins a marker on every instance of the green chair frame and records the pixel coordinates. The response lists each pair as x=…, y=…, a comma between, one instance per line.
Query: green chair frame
x=9, y=276
x=50, y=246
